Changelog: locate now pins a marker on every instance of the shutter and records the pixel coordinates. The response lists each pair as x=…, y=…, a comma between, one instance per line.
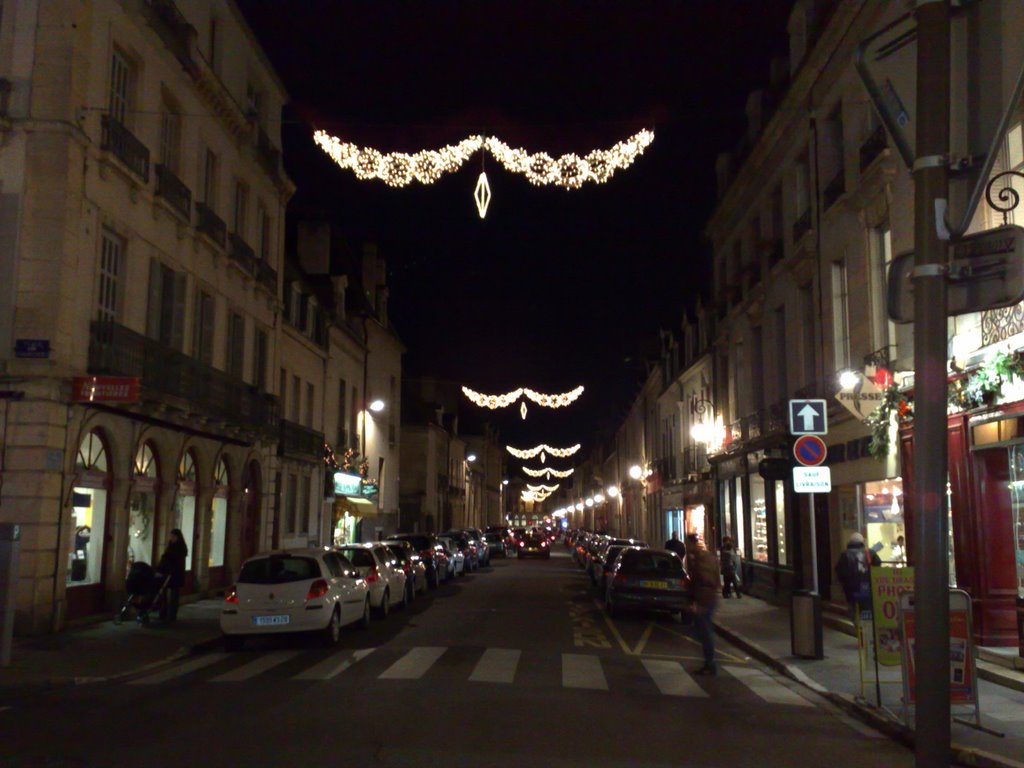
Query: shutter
x=178, y=317
x=153, y=307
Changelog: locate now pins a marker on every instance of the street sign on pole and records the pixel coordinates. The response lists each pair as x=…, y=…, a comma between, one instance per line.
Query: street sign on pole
x=810, y=450
x=808, y=417
x=812, y=480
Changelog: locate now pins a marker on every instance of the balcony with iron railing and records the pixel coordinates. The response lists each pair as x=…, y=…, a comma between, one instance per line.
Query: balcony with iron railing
x=301, y=442
x=834, y=190
x=173, y=29
x=873, y=146
x=123, y=145
x=802, y=225
x=695, y=460
x=173, y=190
x=242, y=254
x=211, y=225
x=195, y=387
x=266, y=276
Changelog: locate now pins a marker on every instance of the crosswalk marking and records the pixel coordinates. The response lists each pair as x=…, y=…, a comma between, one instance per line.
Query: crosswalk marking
x=581, y=671
x=332, y=667
x=766, y=688
x=413, y=665
x=180, y=669
x=497, y=665
x=671, y=678
x=256, y=667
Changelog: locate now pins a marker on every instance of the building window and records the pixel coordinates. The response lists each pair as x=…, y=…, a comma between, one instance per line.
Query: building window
x=202, y=330
x=291, y=503
x=210, y=180
x=840, y=316
x=884, y=330
x=259, y=360
x=214, y=44
x=779, y=332
x=121, y=83
x=235, y=359
x=263, y=241
x=342, y=416
x=1014, y=156
x=354, y=432
x=807, y=325
x=170, y=137
x=111, y=266
x=254, y=103
x=282, y=387
x=310, y=400
x=241, y=207
x=304, y=498
x=165, y=320
x=296, y=401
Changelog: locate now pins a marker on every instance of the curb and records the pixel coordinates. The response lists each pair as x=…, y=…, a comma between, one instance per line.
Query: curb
x=965, y=756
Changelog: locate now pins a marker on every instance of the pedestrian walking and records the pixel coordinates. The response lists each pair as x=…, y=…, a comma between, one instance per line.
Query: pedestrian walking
x=731, y=568
x=853, y=569
x=675, y=545
x=702, y=567
x=172, y=568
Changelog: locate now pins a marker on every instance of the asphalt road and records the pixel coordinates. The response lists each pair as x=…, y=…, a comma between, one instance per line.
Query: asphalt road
x=512, y=666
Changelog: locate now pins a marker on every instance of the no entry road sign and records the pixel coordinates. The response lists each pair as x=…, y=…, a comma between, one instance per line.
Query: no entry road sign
x=810, y=450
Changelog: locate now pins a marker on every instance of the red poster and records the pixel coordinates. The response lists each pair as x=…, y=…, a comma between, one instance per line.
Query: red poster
x=961, y=667
x=105, y=389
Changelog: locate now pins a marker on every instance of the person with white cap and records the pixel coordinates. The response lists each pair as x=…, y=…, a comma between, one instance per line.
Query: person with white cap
x=854, y=572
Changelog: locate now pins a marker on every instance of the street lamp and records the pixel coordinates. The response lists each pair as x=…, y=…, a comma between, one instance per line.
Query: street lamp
x=613, y=491
x=377, y=406
x=849, y=379
x=471, y=457
x=636, y=472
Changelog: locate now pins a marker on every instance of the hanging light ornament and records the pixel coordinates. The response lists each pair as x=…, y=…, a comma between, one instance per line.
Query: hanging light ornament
x=548, y=472
x=545, y=488
x=529, y=453
x=502, y=401
x=398, y=169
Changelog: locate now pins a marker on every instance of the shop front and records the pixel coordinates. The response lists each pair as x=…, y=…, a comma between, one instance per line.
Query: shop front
x=686, y=511
x=218, y=526
x=184, y=518
x=355, y=508
x=142, y=507
x=89, y=513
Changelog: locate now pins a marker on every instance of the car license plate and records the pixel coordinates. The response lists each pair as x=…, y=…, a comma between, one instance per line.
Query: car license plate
x=531, y=549
x=262, y=621
x=654, y=584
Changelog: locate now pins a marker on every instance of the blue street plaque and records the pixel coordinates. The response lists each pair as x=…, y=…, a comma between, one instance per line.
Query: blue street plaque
x=32, y=348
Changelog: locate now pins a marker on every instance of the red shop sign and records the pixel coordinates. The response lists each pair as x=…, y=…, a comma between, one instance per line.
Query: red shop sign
x=105, y=389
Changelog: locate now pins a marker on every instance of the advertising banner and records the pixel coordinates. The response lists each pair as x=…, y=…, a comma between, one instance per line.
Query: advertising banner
x=887, y=584
x=962, y=688
x=105, y=389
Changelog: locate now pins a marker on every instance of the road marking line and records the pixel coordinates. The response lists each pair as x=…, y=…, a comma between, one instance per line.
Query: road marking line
x=331, y=667
x=497, y=665
x=642, y=642
x=413, y=665
x=180, y=669
x=720, y=654
x=766, y=688
x=614, y=630
x=582, y=671
x=256, y=667
x=671, y=678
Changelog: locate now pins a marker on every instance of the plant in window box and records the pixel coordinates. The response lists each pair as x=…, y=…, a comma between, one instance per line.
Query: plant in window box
x=981, y=386
x=894, y=403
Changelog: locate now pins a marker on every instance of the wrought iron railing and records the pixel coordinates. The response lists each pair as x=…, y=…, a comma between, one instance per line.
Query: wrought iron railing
x=873, y=146
x=119, y=351
x=121, y=143
x=834, y=190
x=173, y=190
x=266, y=276
x=211, y=225
x=297, y=440
x=242, y=254
x=173, y=29
x=881, y=358
x=695, y=459
x=802, y=225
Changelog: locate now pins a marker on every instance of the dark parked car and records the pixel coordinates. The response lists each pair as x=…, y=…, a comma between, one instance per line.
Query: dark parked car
x=495, y=545
x=467, y=547
x=426, y=548
x=412, y=564
x=601, y=562
x=648, y=580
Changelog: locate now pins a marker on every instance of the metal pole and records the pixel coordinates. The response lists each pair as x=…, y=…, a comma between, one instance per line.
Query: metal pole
x=931, y=580
x=814, y=549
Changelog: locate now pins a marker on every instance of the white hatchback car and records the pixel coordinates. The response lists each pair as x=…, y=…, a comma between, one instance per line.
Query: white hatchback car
x=383, y=573
x=301, y=590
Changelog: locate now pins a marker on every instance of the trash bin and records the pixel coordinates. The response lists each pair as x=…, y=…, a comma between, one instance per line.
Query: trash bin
x=805, y=625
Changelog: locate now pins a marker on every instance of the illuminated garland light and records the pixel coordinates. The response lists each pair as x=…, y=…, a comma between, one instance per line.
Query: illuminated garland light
x=544, y=488
x=503, y=401
x=399, y=169
x=529, y=453
x=547, y=472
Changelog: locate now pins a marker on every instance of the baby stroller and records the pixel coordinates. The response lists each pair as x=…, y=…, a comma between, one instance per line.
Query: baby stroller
x=145, y=589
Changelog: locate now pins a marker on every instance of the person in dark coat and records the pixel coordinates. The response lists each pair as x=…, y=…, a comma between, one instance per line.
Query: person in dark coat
x=853, y=569
x=675, y=545
x=729, y=562
x=172, y=567
x=702, y=567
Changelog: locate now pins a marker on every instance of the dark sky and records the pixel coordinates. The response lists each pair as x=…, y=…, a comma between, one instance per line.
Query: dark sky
x=554, y=288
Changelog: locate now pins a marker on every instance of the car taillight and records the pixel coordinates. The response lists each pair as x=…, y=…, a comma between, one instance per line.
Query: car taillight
x=231, y=596
x=317, y=589
x=619, y=577
x=372, y=575
x=543, y=543
x=426, y=554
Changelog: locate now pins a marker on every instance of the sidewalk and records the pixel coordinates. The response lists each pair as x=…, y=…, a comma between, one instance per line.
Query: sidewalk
x=763, y=631
x=106, y=651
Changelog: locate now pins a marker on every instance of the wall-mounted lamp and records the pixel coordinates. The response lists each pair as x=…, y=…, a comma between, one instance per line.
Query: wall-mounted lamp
x=377, y=406
x=471, y=457
x=636, y=472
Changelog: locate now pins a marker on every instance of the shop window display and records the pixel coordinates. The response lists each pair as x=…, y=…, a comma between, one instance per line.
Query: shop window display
x=1017, y=506
x=780, y=520
x=185, y=505
x=883, y=520
x=88, y=514
x=759, y=513
x=695, y=521
x=218, y=516
x=142, y=507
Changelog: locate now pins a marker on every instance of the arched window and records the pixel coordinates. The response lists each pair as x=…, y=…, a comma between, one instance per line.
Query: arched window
x=92, y=455
x=88, y=513
x=185, y=504
x=143, y=507
x=219, y=515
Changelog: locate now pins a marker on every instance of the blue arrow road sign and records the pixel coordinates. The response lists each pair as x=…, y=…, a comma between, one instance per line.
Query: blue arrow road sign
x=808, y=417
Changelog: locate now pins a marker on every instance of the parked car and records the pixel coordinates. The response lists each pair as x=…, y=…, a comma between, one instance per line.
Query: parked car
x=302, y=590
x=495, y=545
x=649, y=580
x=415, y=570
x=382, y=572
x=456, y=556
x=598, y=560
x=468, y=549
x=534, y=544
x=608, y=560
x=426, y=546
x=476, y=538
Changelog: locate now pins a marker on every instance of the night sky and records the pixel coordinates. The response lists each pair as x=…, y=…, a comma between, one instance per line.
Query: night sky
x=554, y=288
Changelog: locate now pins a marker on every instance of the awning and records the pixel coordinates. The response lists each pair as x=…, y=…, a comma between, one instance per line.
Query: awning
x=354, y=506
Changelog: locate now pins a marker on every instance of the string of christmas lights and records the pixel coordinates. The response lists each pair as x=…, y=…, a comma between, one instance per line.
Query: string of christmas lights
x=529, y=453
x=554, y=401
x=493, y=401
x=503, y=401
x=399, y=169
x=547, y=472
x=545, y=488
